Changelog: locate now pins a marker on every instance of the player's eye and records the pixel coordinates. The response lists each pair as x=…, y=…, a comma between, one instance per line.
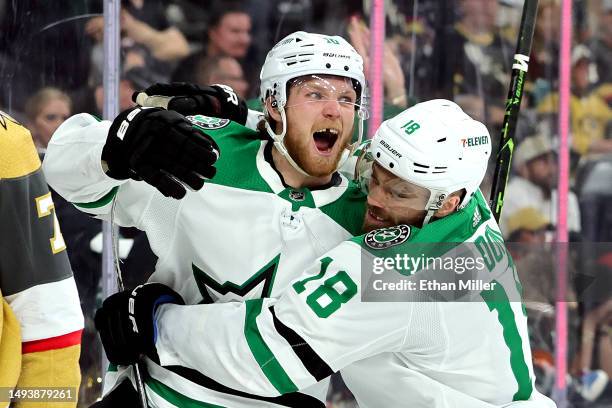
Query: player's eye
x=404, y=196
x=346, y=100
x=315, y=95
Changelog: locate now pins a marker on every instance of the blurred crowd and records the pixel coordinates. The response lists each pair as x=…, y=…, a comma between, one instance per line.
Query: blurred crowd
x=52, y=63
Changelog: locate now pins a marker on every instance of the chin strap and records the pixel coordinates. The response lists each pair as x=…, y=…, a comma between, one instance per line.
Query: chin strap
x=280, y=144
x=279, y=140
x=430, y=213
x=436, y=200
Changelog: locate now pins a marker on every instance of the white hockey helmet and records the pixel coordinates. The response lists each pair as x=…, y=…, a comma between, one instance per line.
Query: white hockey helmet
x=300, y=54
x=437, y=146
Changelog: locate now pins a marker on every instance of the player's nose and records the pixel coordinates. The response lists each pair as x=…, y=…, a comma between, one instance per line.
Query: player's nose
x=331, y=108
x=376, y=197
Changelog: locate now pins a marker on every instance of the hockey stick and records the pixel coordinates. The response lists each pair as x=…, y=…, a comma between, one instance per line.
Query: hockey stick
x=139, y=368
x=513, y=105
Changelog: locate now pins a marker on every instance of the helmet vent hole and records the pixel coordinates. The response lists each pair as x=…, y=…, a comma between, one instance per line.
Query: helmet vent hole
x=378, y=154
x=420, y=171
x=438, y=172
x=421, y=165
x=291, y=63
x=391, y=165
x=441, y=168
x=298, y=40
x=442, y=140
x=328, y=65
x=346, y=68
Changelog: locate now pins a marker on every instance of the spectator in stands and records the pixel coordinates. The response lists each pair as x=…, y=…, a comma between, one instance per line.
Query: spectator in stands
x=228, y=35
x=147, y=39
x=528, y=232
x=134, y=79
x=45, y=111
x=596, y=334
x=602, y=43
x=544, y=61
x=590, y=114
x=229, y=30
x=592, y=363
x=527, y=225
x=393, y=76
x=474, y=61
x=221, y=70
x=535, y=185
x=527, y=229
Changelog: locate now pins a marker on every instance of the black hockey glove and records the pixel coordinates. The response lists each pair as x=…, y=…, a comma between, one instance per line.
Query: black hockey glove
x=219, y=101
x=125, y=322
x=160, y=147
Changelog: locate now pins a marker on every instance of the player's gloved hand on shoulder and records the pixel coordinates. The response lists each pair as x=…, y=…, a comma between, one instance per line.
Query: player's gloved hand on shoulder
x=161, y=147
x=126, y=322
x=219, y=101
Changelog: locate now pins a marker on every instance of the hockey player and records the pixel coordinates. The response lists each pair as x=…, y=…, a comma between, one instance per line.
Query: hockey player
x=275, y=203
x=40, y=315
x=429, y=162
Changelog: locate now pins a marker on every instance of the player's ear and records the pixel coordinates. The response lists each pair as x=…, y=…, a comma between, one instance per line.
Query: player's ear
x=449, y=206
x=272, y=109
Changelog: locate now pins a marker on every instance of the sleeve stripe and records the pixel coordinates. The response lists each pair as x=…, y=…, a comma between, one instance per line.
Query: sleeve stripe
x=262, y=353
x=52, y=343
x=316, y=366
x=293, y=400
x=102, y=201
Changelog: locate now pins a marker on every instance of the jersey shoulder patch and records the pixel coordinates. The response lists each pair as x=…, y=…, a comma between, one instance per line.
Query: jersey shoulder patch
x=384, y=238
x=387, y=242
x=208, y=122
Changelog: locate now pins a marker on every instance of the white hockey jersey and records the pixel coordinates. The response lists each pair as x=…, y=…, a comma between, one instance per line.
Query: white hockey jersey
x=470, y=354
x=228, y=241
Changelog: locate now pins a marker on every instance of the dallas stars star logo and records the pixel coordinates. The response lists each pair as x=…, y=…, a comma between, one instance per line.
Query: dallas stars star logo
x=387, y=237
x=207, y=122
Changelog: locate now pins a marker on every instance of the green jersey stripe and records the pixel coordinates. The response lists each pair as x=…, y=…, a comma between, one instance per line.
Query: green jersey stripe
x=262, y=353
x=496, y=299
x=101, y=202
x=176, y=398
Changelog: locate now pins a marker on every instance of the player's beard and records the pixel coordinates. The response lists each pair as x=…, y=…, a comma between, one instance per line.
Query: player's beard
x=303, y=152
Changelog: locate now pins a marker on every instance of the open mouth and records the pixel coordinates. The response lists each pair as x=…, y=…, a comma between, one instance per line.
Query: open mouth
x=375, y=216
x=325, y=139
